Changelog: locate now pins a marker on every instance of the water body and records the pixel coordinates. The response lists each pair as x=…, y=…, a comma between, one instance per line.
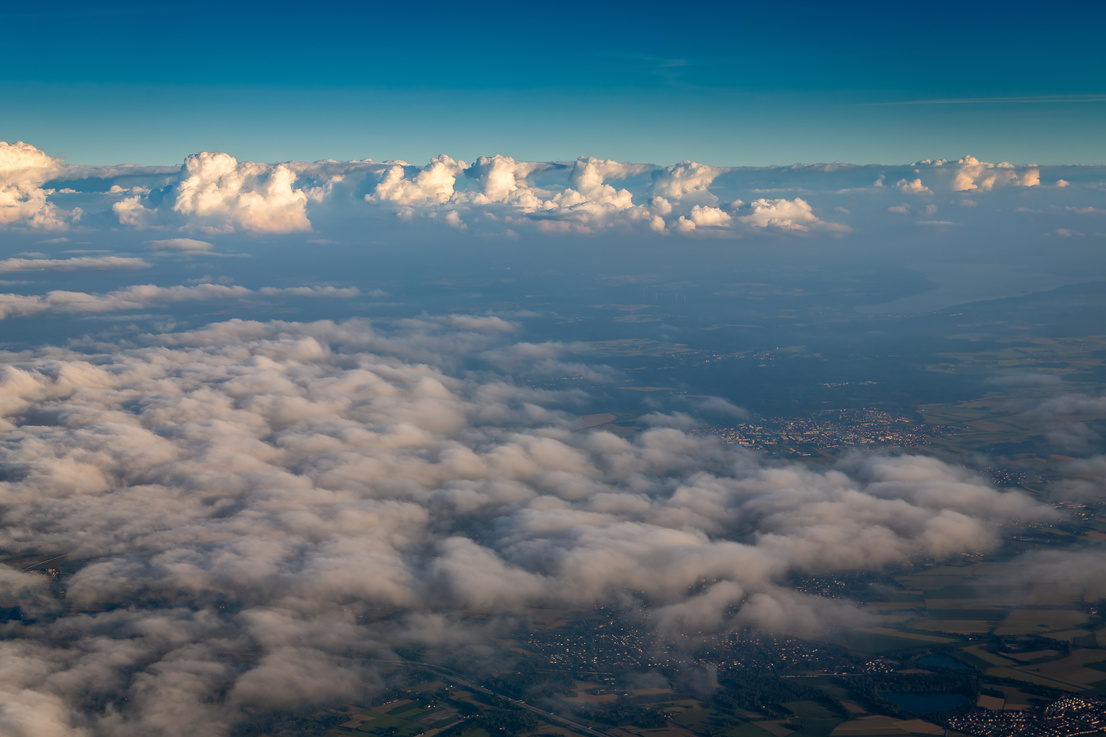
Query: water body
x=941, y=661
x=961, y=283
x=925, y=703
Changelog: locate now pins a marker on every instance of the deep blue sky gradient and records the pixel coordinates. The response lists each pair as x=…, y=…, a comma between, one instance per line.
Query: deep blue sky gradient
x=734, y=83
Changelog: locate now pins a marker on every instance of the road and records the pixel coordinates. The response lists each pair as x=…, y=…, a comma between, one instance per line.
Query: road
x=547, y=715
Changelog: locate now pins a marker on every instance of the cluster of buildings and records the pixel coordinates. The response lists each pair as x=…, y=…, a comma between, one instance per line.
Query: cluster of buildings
x=614, y=644
x=1071, y=716
x=829, y=429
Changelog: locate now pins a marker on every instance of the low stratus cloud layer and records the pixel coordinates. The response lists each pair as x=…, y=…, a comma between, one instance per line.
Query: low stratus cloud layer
x=216, y=193
x=256, y=496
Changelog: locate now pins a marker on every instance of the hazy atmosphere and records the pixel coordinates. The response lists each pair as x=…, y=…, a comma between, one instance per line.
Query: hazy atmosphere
x=522, y=375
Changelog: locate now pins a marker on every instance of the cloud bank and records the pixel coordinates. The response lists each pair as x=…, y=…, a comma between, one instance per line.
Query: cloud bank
x=259, y=495
x=497, y=195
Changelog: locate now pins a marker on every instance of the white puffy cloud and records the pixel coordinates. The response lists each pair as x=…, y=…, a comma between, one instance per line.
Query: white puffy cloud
x=219, y=191
x=502, y=178
x=23, y=171
x=432, y=184
x=215, y=192
x=973, y=174
x=686, y=178
x=700, y=216
x=914, y=187
x=446, y=189
x=589, y=173
x=787, y=215
x=132, y=212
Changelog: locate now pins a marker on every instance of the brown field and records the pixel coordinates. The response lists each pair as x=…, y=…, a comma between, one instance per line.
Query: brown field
x=987, y=657
x=956, y=604
x=1071, y=669
x=1021, y=675
x=992, y=703
x=929, y=581
x=776, y=727
x=892, y=606
x=1015, y=698
x=554, y=729
x=1067, y=635
x=954, y=626
x=588, y=421
x=905, y=635
x=884, y=725
x=1035, y=655
x=1054, y=594
x=918, y=726
x=894, y=619
x=872, y=725
x=1039, y=621
x=581, y=696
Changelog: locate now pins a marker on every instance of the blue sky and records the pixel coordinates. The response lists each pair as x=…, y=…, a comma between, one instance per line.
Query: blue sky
x=732, y=84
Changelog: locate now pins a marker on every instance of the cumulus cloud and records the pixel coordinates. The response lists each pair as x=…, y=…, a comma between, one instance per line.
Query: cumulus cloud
x=914, y=187
x=973, y=174
x=589, y=173
x=23, y=171
x=700, y=216
x=501, y=177
x=218, y=190
x=215, y=192
x=432, y=184
x=500, y=186
x=265, y=488
x=683, y=179
x=787, y=215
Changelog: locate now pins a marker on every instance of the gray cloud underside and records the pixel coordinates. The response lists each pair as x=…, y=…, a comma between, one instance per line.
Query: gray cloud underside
x=304, y=476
